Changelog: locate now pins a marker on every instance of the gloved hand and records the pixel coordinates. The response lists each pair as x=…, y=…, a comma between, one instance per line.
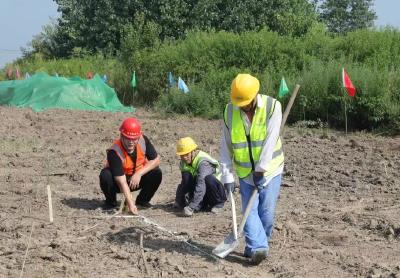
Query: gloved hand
x=259, y=181
x=229, y=187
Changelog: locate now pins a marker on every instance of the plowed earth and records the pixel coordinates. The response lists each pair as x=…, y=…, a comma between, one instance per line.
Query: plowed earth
x=338, y=213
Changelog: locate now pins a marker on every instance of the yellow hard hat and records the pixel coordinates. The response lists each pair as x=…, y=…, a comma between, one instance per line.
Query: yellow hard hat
x=244, y=88
x=185, y=145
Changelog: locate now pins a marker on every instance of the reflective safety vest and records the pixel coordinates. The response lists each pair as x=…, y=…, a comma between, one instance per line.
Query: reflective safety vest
x=194, y=167
x=247, y=148
x=129, y=166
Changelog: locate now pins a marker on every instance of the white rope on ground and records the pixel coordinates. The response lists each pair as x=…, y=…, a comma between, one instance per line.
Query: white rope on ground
x=162, y=229
x=106, y=218
x=186, y=241
x=180, y=238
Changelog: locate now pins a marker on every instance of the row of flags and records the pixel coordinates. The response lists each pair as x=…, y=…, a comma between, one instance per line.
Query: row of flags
x=346, y=83
x=283, y=87
x=171, y=81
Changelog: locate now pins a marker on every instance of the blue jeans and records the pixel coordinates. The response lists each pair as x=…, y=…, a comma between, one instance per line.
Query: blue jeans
x=259, y=224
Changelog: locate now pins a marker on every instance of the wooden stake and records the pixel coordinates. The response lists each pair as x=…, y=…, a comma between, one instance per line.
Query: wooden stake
x=26, y=252
x=142, y=253
x=50, y=203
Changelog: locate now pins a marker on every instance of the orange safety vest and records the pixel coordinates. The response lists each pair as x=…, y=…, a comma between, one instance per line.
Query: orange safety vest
x=128, y=165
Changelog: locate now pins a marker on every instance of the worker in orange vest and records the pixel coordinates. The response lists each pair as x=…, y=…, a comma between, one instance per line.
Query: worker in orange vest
x=132, y=164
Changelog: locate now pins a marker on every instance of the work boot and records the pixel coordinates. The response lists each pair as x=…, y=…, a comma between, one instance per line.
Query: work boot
x=247, y=252
x=258, y=256
x=188, y=211
x=217, y=210
x=143, y=205
x=108, y=205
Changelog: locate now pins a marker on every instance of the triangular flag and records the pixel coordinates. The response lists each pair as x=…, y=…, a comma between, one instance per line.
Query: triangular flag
x=133, y=81
x=171, y=80
x=283, y=88
x=347, y=84
x=182, y=86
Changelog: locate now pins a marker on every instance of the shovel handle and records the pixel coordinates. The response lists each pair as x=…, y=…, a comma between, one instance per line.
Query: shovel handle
x=234, y=222
x=247, y=211
x=289, y=106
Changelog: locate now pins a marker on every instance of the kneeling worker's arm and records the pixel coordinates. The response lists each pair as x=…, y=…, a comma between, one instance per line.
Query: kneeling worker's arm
x=123, y=186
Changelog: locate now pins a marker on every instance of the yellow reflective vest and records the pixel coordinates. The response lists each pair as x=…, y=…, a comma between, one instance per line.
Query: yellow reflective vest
x=247, y=148
x=194, y=167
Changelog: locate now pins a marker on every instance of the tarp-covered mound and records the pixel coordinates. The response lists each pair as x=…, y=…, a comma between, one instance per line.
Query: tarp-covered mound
x=42, y=91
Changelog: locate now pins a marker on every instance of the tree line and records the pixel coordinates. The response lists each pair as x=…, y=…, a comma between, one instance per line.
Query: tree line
x=104, y=26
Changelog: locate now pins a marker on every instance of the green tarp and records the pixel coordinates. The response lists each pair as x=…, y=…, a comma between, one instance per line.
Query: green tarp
x=42, y=91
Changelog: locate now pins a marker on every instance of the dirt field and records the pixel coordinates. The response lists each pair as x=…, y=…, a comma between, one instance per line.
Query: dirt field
x=338, y=213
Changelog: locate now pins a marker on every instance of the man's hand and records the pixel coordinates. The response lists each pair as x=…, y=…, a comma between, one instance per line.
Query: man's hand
x=259, y=180
x=132, y=208
x=135, y=180
x=229, y=187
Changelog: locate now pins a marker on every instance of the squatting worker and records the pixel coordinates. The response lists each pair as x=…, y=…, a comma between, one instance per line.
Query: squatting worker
x=251, y=146
x=200, y=187
x=132, y=164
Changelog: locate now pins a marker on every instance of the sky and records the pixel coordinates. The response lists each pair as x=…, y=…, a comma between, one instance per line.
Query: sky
x=20, y=20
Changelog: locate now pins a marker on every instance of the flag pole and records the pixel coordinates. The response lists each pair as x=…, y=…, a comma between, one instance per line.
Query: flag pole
x=289, y=106
x=345, y=114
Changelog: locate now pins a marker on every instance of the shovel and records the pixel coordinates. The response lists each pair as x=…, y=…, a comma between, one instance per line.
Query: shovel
x=232, y=240
x=233, y=208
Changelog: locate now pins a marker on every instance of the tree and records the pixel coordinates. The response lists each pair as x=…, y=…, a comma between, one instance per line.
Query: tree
x=101, y=26
x=342, y=16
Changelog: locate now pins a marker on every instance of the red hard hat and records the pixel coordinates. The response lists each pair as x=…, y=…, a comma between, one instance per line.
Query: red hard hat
x=131, y=128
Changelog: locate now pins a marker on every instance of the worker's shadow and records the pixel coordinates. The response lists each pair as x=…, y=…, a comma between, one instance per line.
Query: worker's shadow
x=82, y=203
x=156, y=240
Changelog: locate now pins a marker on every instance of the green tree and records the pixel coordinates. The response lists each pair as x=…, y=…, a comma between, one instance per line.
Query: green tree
x=342, y=16
x=100, y=26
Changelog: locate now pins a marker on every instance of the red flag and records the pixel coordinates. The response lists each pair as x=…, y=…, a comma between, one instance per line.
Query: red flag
x=17, y=74
x=351, y=90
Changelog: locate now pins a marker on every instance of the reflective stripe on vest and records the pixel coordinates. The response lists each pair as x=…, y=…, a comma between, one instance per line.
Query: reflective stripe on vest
x=127, y=164
x=247, y=149
x=194, y=167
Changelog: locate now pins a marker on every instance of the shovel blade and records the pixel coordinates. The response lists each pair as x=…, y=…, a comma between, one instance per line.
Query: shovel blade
x=227, y=246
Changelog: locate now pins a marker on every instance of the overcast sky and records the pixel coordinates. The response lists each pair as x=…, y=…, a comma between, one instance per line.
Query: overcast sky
x=20, y=20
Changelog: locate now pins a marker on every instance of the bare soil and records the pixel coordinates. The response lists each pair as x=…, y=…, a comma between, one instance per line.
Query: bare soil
x=338, y=213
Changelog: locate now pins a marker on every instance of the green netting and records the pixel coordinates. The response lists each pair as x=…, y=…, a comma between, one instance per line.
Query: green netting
x=42, y=91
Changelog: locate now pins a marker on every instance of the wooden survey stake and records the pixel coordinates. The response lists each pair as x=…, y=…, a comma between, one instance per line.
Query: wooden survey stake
x=50, y=203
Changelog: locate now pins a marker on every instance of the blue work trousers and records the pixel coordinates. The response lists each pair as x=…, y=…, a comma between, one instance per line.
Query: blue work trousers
x=259, y=224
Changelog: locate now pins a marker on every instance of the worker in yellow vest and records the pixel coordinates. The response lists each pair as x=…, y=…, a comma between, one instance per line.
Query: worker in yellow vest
x=251, y=146
x=200, y=187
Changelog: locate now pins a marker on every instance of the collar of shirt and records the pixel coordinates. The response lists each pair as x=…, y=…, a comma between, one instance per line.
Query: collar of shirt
x=246, y=122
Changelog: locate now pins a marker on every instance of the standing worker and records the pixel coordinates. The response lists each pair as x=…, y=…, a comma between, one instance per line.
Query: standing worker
x=200, y=187
x=252, y=146
x=132, y=164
